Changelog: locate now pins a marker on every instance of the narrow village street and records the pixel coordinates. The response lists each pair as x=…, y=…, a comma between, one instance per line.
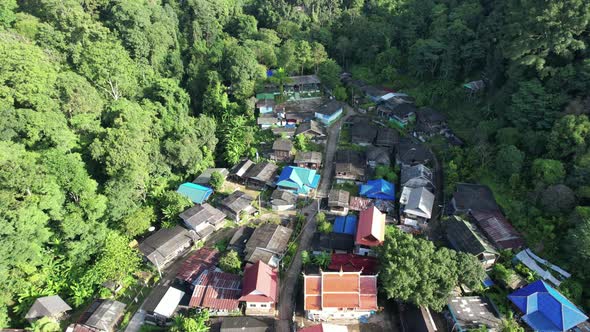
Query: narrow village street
x=288, y=294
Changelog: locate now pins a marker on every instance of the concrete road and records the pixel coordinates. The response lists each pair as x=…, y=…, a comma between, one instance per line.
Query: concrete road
x=288, y=286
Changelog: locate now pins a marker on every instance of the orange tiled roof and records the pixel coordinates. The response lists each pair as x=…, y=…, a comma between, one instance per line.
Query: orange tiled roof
x=348, y=290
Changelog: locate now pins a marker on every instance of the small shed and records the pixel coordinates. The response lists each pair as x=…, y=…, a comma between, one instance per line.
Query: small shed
x=205, y=177
x=283, y=200
x=48, y=306
x=106, y=316
x=282, y=149
x=338, y=202
x=162, y=303
x=239, y=171
x=308, y=159
x=196, y=193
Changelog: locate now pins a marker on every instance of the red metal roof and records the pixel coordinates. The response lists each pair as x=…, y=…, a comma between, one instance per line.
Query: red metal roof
x=498, y=230
x=216, y=291
x=260, y=283
x=348, y=290
x=371, y=227
x=199, y=261
x=353, y=263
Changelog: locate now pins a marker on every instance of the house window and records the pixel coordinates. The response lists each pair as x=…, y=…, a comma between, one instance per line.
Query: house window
x=252, y=305
x=263, y=305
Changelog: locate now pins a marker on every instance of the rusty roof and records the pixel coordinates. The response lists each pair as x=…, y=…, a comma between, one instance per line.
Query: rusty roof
x=199, y=261
x=216, y=291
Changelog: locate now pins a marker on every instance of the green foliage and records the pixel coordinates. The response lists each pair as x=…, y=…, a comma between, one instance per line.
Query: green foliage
x=569, y=136
x=230, y=262
x=324, y=226
x=414, y=270
x=45, y=324
x=138, y=222
x=305, y=258
x=548, y=171
x=329, y=73
x=322, y=260
x=217, y=181
x=509, y=160
x=7, y=15
x=386, y=172
x=196, y=322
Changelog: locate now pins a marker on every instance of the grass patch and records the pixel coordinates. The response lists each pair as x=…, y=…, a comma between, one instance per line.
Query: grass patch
x=352, y=188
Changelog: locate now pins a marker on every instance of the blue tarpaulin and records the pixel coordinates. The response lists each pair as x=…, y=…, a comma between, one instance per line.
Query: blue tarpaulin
x=345, y=225
x=378, y=189
x=545, y=309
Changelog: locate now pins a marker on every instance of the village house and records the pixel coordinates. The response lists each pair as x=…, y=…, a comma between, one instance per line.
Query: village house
x=332, y=242
x=161, y=304
x=497, y=228
x=378, y=189
x=218, y=292
x=465, y=237
x=282, y=149
x=103, y=316
x=349, y=166
x=402, y=114
x=378, y=156
x=48, y=306
x=237, y=204
x=308, y=159
x=266, y=121
x=243, y=323
x=471, y=312
x=416, y=176
x=358, y=204
x=259, y=291
x=386, y=137
x=167, y=244
x=373, y=93
x=338, y=202
x=287, y=132
x=370, y=231
x=302, y=181
x=239, y=171
x=345, y=224
x=329, y=112
x=203, y=219
x=363, y=132
x=410, y=153
x=416, y=206
x=325, y=327
x=265, y=106
x=205, y=177
x=267, y=244
x=261, y=175
x=348, y=262
x=200, y=260
x=430, y=121
x=478, y=202
x=306, y=86
x=283, y=200
x=311, y=129
x=339, y=295
x=238, y=241
x=546, y=309
x=196, y=193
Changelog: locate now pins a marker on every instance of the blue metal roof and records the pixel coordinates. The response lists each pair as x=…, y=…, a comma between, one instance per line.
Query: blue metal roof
x=545, y=309
x=379, y=189
x=345, y=225
x=196, y=193
x=302, y=180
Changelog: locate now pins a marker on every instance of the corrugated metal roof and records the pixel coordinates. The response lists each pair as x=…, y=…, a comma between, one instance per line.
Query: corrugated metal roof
x=217, y=291
x=371, y=227
x=199, y=261
x=260, y=283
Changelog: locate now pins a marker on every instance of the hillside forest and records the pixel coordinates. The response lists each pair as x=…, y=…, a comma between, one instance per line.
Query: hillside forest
x=107, y=105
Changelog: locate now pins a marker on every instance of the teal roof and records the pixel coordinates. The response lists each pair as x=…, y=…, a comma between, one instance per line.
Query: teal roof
x=302, y=180
x=196, y=193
